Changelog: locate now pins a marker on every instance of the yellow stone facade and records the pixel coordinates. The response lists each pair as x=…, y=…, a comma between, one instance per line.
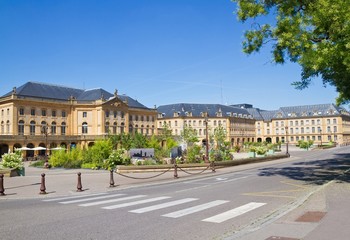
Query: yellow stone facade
x=33, y=122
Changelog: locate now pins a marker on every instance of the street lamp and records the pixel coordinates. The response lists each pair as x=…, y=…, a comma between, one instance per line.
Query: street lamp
x=45, y=131
x=287, y=153
x=206, y=138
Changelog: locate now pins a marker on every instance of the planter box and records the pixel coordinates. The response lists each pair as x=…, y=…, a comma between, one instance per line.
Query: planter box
x=8, y=172
x=251, y=154
x=270, y=152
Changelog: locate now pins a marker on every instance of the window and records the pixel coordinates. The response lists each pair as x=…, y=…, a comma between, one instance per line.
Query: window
x=276, y=124
x=114, y=128
x=53, y=113
x=296, y=123
x=2, y=127
x=122, y=114
x=107, y=113
x=8, y=126
x=115, y=114
x=32, y=128
x=107, y=127
x=43, y=112
x=312, y=122
x=21, y=127
x=335, y=129
x=175, y=123
x=84, y=128
x=63, y=113
x=334, y=121
x=21, y=111
x=53, y=128
x=313, y=129
x=63, y=128
x=8, y=111
x=84, y=114
x=32, y=112
x=290, y=123
x=328, y=121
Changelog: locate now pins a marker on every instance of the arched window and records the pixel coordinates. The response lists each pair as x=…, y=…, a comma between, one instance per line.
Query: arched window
x=114, y=128
x=84, y=128
x=32, y=128
x=2, y=127
x=8, y=127
x=63, y=128
x=53, y=128
x=122, y=127
x=21, y=127
x=107, y=127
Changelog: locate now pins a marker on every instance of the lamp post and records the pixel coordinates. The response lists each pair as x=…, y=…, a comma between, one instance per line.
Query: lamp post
x=45, y=131
x=206, y=138
x=287, y=152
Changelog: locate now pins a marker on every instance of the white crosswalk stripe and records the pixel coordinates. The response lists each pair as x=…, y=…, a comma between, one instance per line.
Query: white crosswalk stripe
x=163, y=205
x=234, y=212
x=72, y=197
x=135, y=203
x=194, y=209
x=92, y=198
x=111, y=200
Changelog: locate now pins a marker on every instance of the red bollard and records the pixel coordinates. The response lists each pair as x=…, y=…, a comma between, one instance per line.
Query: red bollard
x=42, y=186
x=2, y=189
x=111, y=180
x=79, y=186
x=212, y=165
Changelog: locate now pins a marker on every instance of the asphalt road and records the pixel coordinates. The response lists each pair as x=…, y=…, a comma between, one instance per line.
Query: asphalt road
x=220, y=207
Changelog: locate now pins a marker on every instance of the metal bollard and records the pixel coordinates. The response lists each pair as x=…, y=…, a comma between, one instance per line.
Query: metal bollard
x=175, y=171
x=111, y=180
x=2, y=189
x=212, y=165
x=42, y=185
x=79, y=186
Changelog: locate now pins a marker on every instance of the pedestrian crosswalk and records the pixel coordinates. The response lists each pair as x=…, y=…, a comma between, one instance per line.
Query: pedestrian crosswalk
x=120, y=200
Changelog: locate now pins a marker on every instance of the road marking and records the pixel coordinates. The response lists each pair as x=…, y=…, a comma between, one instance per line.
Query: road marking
x=233, y=213
x=163, y=205
x=195, y=209
x=93, y=198
x=111, y=200
x=135, y=203
x=72, y=197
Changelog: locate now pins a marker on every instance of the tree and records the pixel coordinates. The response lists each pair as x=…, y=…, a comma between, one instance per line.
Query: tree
x=189, y=135
x=314, y=34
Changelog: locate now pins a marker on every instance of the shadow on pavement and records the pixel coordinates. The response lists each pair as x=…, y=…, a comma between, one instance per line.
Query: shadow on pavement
x=315, y=172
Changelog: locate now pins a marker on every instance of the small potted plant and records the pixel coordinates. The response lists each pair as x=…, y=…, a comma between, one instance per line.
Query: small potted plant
x=13, y=162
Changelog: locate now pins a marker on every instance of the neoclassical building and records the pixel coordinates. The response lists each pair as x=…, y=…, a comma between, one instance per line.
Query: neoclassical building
x=237, y=121
x=322, y=123
x=45, y=115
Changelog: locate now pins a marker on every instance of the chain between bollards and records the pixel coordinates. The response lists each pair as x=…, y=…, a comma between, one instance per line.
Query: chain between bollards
x=111, y=180
x=79, y=186
x=42, y=185
x=2, y=189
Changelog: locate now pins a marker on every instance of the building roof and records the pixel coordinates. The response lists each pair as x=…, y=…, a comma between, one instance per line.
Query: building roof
x=57, y=92
x=196, y=110
x=329, y=109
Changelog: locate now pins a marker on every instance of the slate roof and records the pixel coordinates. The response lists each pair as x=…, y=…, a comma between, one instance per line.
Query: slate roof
x=196, y=110
x=298, y=111
x=57, y=92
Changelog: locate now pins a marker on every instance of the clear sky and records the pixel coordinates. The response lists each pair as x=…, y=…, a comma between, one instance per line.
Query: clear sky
x=156, y=51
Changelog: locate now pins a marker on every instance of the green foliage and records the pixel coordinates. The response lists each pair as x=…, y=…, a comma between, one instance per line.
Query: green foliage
x=193, y=154
x=117, y=157
x=189, y=135
x=305, y=144
x=39, y=163
x=261, y=150
x=70, y=159
x=98, y=152
x=12, y=160
x=314, y=34
x=220, y=136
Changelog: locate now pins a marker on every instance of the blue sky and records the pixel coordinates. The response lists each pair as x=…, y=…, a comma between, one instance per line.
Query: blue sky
x=156, y=51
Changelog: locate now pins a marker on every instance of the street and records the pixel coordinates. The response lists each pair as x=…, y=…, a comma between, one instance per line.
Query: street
x=224, y=206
